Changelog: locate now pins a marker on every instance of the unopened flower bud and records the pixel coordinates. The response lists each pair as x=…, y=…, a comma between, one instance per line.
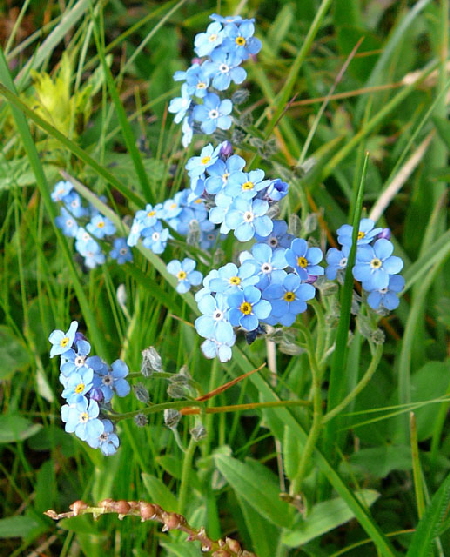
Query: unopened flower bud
x=147, y=511
x=141, y=420
x=141, y=393
x=171, y=418
x=77, y=507
x=240, y=96
x=122, y=508
x=234, y=545
x=151, y=361
x=175, y=390
x=226, y=149
x=198, y=433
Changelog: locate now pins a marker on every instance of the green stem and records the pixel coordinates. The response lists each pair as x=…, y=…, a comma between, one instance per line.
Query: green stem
x=359, y=387
x=185, y=475
x=417, y=470
x=316, y=426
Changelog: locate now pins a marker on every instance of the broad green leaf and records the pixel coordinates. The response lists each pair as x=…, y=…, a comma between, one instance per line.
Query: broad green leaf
x=379, y=461
x=429, y=383
x=13, y=355
x=18, y=526
x=159, y=493
x=263, y=546
x=325, y=517
x=429, y=526
x=182, y=549
x=16, y=428
x=443, y=128
x=258, y=486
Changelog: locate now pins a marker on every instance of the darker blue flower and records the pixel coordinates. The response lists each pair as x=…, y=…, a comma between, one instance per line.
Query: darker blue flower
x=375, y=264
x=247, y=308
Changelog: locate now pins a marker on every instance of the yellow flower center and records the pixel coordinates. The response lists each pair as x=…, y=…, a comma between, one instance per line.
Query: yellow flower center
x=100, y=224
x=289, y=296
x=84, y=417
x=181, y=275
x=205, y=160
x=240, y=41
x=235, y=281
x=246, y=308
x=213, y=37
x=79, y=388
x=64, y=342
x=376, y=263
x=248, y=185
x=360, y=235
x=151, y=213
x=302, y=262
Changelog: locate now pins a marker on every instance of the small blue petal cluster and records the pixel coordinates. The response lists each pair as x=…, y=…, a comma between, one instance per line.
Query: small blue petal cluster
x=375, y=266
x=185, y=273
x=87, y=225
x=227, y=42
x=271, y=286
x=89, y=385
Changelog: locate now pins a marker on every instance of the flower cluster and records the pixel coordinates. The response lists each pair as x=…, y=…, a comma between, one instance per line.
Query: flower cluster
x=271, y=286
x=89, y=385
x=375, y=265
x=87, y=225
x=227, y=42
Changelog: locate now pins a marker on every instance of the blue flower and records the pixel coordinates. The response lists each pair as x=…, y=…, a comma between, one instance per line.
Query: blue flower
x=375, y=264
x=223, y=68
x=107, y=441
x=156, y=238
x=196, y=166
x=60, y=190
x=366, y=233
x=205, y=43
x=304, y=259
x=387, y=297
x=213, y=324
x=276, y=190
x=113, y=380
x=240, y=41
x=279, y=237
x=246, y=184
x=61, y=341
x=247, y=218
x=288, y=299
x=78, y=384
x=181, y=105
x=77, y=358
x=81, y=418
x=185, y=273
x=211, y=348
x=220, y=172
x=72, y=202
x=247, y=308
x=337, y=261
x=121, y=252
x=213, y=113
x=266, y=262
x=100, y=226
x=218, y=213
x=67, y=223
x=230, y=278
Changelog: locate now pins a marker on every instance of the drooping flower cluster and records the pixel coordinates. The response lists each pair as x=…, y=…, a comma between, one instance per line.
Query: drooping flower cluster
x=227, y=42
x=375, y=266
x=89, y=386
x=87, y=225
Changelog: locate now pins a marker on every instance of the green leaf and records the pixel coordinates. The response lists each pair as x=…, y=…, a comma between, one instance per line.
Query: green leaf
x=18, y=526
x=159, y=493
x=429, y=526
x=256, y=485
x=325, y=517
x=264, y=546
x=379, y=461
x=13, y=355
x=443, y=128
x=429, y=383
x=16, y=428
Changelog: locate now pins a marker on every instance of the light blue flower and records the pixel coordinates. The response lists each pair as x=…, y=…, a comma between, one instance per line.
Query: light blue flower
x=366, y=233
x=288, y=299
x=156, y=238
x=185, y=273
x=247, y=308
x=213, y=113
x=196, y=166
x=205, y=43
x=337, y=261
x=240, y=40
x=247, y=218
x=181, y=105
x=246, y=184
x=266, y=262
x=78, y=384
x=121, y=252
x=387, y=298
x=100, y=226
x=230, y=278
x=72, y=202
x=211, y=348
x=62, y=342
x=61, y=190
x=82, y=418
x=304, y=259
x=223, y=68
x=113, y=380
x=213, y=324
x=107, y=441
x=66, y=223
x=279, y=237
x=375, y=264
x=219, y=173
